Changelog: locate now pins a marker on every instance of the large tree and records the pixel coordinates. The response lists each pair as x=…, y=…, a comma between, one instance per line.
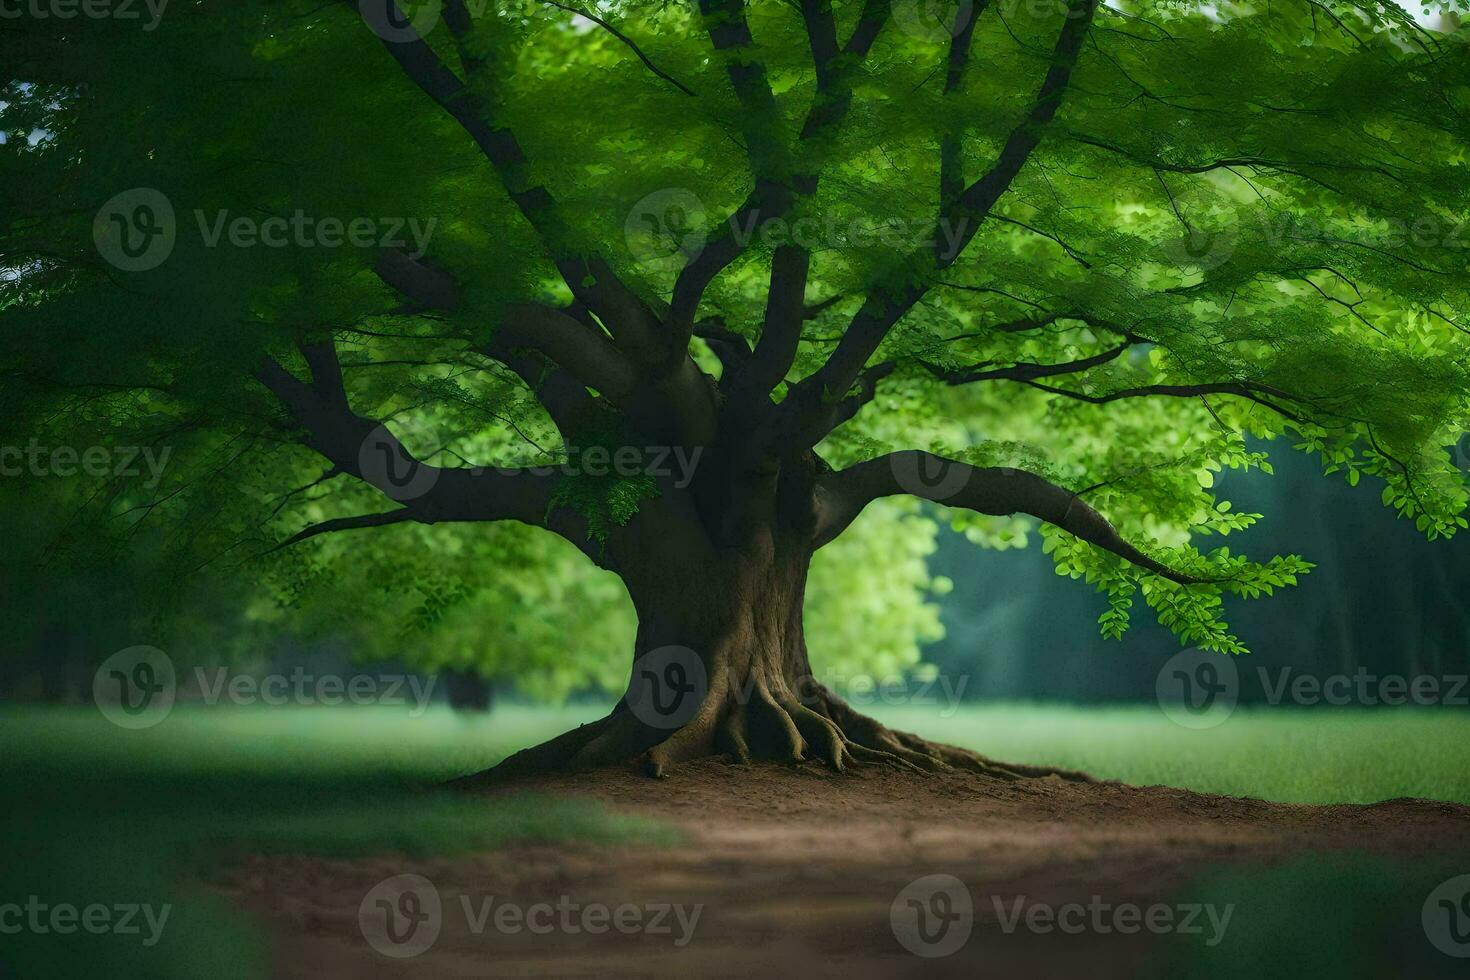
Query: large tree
x=691, y=285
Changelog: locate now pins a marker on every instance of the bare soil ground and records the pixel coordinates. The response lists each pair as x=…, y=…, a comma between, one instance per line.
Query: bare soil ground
x=797, y=869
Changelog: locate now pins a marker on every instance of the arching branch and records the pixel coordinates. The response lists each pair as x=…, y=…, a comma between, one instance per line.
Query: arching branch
x=1027, y=371
x=843, y=495
x=367, y=450
x=1248, y=390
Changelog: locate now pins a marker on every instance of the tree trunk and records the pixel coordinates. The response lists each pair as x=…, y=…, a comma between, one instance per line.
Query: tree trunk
x=467, y=690
x=720, y=669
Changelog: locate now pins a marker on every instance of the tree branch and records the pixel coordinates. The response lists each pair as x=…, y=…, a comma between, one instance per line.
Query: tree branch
x=647, y=62
x=1026, y=371
x=366, y=449
x=781, y=330
x=884, y=307
x=843, y=495
x=774, y=198
x=1245, y=389
x=343, y=524
x=589, y=278
x=951, y=161
x=564, y=397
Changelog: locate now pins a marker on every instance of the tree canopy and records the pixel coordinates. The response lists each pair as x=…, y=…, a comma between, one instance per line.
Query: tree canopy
x=1046, y=260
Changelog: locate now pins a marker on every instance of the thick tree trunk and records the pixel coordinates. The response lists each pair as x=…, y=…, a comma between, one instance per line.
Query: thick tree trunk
x=720, y=669
x=467, y=690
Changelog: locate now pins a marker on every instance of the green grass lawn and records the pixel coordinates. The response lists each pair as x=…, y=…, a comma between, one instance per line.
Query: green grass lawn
x=98, y=814
x=1291, y=755
x=1300, y=755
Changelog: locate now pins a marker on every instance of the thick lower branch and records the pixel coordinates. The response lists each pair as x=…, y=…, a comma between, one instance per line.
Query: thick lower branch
x=843, y=495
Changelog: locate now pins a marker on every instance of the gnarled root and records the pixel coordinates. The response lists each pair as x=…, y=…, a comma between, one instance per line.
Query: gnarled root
x=765, y=719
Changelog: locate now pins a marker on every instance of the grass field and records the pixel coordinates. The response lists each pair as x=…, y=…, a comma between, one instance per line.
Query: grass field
x=106, y=815
x=1294, y=756
x=1289, y=755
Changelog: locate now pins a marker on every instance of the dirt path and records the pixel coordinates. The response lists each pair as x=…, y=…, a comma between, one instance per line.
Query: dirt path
x=798, y=872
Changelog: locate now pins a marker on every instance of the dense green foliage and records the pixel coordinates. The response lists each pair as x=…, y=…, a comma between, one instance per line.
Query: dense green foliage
x=1246, y=220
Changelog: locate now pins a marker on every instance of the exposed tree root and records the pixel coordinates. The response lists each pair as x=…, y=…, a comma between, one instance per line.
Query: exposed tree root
x=766, y=720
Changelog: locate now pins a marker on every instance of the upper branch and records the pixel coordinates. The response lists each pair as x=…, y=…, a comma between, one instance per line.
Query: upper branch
x=647, y=62
x=884, y=307
x=589, y=278
x=1262, y=395
x=821, y=33
x=776, y=192
x=951, y=162
x=760, y=122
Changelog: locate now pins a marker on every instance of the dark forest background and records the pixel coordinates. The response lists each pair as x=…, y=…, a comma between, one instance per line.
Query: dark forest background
x=1382, y=598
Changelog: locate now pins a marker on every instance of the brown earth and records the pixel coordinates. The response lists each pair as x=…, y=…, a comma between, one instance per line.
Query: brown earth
x=797, y=869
